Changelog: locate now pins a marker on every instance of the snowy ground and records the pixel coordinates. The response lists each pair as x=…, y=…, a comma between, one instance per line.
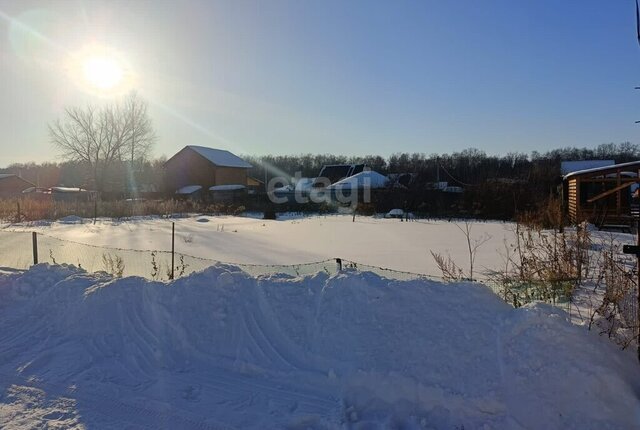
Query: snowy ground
x=220, y=349
x=388, y=243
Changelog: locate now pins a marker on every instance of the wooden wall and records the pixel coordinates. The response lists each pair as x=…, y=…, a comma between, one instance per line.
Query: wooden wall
x=573, y=200
x=231, y=176
x=188, y=167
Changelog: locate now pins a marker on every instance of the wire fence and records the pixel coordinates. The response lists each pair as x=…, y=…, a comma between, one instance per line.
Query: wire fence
x=17, y=252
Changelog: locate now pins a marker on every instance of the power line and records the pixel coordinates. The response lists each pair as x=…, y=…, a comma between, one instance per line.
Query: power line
x=455, y=179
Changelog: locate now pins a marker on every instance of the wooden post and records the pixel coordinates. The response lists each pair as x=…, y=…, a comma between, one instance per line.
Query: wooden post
x=95, y=209
x=618, y=194
x=19, y=213
x=34, y=236
x=339, y=263
x=173, y=249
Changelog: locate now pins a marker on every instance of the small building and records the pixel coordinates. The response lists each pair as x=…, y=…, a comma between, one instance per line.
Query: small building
x=193, y=192
x=602, y=195
x=204, y=167
x=60, y=194
x=365, y=179
x=12, y=185
x=71, y=194
x=254, y=185
x=230, y=193
x=332, y=173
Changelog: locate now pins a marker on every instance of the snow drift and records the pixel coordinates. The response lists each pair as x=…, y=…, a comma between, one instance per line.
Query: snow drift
x=220, y=349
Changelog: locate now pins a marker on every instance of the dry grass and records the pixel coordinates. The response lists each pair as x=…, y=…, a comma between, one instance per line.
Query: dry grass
x=29, y=209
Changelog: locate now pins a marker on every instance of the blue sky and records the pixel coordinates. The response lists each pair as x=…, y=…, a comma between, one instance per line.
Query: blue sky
x=349, y=77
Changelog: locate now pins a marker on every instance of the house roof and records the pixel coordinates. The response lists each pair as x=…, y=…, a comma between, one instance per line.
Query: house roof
x=189, y=189
x=220, y=157
x=567, y=167
x=336, y=172
x=12, y=175
x=67, y=190
x=604, y=170
x=366, y=179
x=230, y=187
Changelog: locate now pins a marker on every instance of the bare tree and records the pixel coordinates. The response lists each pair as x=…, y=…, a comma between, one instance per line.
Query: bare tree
x=102, y=137
x=142, y=135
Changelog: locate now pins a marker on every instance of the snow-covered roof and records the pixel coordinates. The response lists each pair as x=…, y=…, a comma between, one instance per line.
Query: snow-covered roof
x=189, y=189
x=567, y=167
x=67, y=190
x=220, y=157
x=365, y=179
x=6, y=175
x=232, y=187
x=621, y=166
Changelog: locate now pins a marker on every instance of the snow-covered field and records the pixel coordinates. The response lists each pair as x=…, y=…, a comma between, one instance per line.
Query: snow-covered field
x=221, y=349
x=387, y=243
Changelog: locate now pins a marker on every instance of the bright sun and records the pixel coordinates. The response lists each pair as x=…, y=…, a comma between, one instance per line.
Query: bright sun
x=102, y=72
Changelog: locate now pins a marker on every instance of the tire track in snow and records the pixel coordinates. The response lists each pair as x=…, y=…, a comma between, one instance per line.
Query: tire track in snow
x=504, y=380
x=89, y=402
x=234, y=384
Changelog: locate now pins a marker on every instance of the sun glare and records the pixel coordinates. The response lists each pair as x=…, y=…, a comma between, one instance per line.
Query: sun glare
x=102, y=72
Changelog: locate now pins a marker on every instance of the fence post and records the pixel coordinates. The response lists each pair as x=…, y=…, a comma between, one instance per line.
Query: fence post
x=34, y=236
x=339, y=263
x=173, y=248
x=19, y=212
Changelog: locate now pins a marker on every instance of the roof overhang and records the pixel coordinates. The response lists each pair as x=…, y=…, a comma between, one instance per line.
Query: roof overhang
x=603, y=171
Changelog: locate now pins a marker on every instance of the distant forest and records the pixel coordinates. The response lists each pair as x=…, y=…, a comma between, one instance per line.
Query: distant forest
x=498, y=185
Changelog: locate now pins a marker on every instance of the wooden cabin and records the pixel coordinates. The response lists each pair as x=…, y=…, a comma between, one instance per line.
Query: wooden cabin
x=204, y=167
x=605, y=196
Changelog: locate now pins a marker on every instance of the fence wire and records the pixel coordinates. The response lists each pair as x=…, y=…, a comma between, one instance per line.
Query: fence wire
x=16, y=252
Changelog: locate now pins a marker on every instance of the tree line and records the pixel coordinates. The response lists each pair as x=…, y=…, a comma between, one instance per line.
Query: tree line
x=108, y=148
x=471, y=166
x=465, y=168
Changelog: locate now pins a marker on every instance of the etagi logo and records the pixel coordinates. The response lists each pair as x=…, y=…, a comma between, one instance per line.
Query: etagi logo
x=346, y=192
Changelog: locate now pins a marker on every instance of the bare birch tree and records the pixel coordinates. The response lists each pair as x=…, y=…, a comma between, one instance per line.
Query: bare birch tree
x=101, y=137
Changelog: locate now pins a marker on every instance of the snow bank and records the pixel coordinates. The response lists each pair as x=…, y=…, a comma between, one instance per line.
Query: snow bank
x=220, y=349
